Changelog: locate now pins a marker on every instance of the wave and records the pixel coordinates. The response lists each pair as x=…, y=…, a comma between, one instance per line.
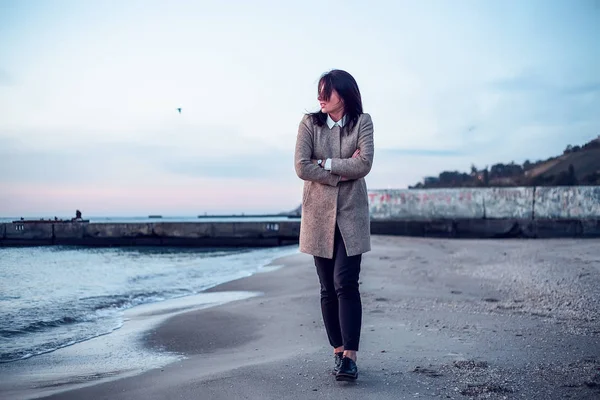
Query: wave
x=38, y=326
x=90, y=309
x=49, y=347
x=125, y=301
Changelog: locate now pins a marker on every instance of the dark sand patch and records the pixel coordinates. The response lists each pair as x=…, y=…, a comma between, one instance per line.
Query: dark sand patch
x=205, y=332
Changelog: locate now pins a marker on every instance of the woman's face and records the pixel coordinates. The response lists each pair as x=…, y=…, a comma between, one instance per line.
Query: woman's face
x=333, y=105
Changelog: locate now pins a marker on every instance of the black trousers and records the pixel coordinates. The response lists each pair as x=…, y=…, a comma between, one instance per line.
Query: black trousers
x=340, y=298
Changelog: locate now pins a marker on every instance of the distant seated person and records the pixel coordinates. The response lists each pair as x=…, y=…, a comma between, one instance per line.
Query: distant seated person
x=77, y=216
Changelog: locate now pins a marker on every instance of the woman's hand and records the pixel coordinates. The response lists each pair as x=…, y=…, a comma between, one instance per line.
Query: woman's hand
x=356, y=154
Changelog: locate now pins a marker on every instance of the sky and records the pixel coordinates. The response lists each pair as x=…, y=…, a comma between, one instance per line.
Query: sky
x=89, y=93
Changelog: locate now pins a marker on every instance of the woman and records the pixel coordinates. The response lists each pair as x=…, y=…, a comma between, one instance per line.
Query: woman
x=334, y=152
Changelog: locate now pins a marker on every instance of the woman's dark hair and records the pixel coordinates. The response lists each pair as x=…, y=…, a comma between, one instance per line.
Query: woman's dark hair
x=347, y=88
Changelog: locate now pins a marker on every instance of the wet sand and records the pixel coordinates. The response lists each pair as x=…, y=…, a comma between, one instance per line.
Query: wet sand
x=450, y=319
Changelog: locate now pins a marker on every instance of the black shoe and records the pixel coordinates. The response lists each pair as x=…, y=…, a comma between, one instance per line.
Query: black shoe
x=337, y=359
x=348, y=370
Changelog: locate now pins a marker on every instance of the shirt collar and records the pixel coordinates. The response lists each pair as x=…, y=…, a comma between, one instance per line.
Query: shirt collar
x=331, y=123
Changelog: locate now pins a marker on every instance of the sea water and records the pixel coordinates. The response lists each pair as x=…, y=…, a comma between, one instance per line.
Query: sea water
x=55, y=296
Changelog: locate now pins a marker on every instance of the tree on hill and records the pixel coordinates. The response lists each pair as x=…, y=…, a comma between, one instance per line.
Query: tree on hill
x=572, y=177
x=591, y=179
x=566, y=178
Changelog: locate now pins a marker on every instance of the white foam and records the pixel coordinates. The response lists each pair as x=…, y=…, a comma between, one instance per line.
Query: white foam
x=269, y=268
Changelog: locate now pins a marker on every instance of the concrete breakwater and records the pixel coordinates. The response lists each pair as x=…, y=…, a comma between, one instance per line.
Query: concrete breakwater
x=462, y=213
x=206, y=234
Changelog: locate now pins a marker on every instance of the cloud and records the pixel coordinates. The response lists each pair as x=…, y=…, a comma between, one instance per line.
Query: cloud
x=526, y=115
x=264, y=165
x=532, y=100
x=528, y=84
x=137, y=164
x=140, y=178
x=5, y=78
x=122, y=162
x=583, y=89
x=458, y=88
x=420, y=152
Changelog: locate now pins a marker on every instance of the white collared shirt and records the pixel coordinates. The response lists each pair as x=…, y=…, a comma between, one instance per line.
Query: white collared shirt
x=331, y=123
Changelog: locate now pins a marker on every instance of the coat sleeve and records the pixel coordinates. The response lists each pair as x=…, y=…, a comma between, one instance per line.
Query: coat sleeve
x=356, y=168
x=305, y=169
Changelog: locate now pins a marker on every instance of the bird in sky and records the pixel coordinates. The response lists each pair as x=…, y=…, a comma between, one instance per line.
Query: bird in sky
x=179, y=109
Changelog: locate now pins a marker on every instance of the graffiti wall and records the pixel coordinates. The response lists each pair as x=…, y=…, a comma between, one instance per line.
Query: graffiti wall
x=508, y=202
x=426, y=204
x=577, y=202
x=580, y=202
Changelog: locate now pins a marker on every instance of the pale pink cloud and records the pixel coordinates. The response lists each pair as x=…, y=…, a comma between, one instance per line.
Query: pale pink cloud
x=192, y=198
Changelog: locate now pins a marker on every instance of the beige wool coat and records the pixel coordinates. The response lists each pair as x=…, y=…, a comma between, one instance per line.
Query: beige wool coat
x=325, y=198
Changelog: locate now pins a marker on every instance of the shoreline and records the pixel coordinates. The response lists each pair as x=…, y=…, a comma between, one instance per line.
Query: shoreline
x=66, y=368
x=441, y=319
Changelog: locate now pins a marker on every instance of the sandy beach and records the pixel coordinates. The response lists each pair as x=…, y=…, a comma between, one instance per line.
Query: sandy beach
x=449, y=319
